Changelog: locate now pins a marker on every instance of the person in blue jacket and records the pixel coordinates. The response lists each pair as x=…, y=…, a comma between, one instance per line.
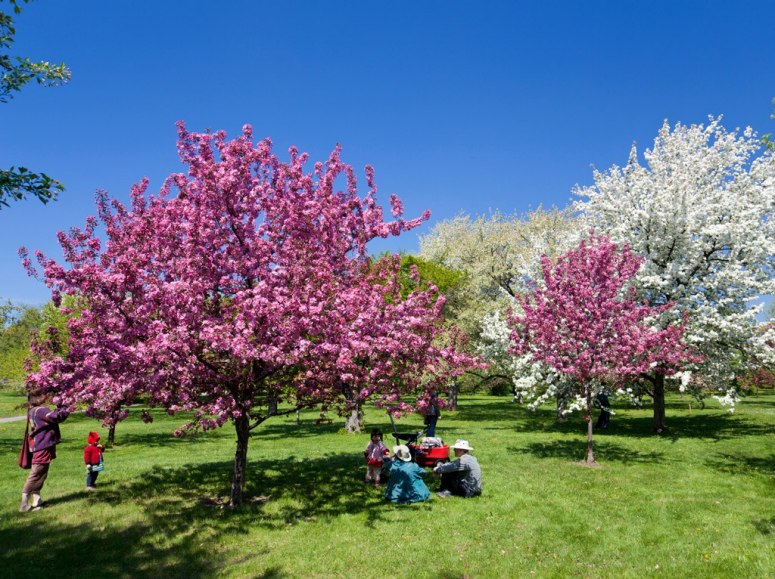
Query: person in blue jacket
x=406, y=484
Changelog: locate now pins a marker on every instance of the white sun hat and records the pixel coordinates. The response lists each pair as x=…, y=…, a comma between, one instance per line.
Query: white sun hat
x=402, y=452
x=461, y=444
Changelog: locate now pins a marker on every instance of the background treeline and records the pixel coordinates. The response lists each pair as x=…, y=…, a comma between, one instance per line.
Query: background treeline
x=20, y=326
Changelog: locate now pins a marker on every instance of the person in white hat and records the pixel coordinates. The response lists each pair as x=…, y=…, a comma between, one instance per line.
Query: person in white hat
x=406, y=484
x=461, y=477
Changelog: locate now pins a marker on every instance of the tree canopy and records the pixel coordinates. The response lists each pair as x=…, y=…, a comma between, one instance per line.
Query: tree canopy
x=701, y=214
x=240, y=291
x=587, y=325
x=498, y=254
x=16, y=183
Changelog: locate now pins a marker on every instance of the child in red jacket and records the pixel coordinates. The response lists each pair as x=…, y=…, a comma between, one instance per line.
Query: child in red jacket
x=92, y=456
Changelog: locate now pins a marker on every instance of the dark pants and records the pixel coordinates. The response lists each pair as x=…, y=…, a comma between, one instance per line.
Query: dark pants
x=430, y=425
x=91, y=478
x=602, y=420
x=453, y=482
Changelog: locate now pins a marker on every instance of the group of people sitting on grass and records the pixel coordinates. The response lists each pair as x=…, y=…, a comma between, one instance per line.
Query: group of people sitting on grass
x=462, y=477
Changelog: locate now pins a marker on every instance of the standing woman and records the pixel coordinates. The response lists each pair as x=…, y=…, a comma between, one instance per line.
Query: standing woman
x=44, y=436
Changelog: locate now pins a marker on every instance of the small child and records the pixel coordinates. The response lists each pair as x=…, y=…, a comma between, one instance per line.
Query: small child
x=374, y=453
x=92, y=456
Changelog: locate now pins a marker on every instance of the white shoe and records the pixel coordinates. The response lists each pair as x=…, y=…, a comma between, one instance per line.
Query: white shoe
x=444, y=494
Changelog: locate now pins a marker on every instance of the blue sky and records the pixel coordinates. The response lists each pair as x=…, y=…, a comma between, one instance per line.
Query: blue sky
x=459, y=106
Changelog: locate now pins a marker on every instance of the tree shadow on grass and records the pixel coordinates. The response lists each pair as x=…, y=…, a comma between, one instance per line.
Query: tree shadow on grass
x=278, y=493
x=277, y=429
x=574, y=450
x=757, y=400
x=11, y=446
x=496, y=410
x=712, y=425
x=36, y=547
x=765, y=526
x=181, y=521
x=743, y=465
x=161, y=439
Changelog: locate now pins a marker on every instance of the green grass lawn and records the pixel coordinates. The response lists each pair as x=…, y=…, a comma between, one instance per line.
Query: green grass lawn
x=697, y=502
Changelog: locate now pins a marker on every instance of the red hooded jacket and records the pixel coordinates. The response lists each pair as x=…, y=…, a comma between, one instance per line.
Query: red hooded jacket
x=92, y=454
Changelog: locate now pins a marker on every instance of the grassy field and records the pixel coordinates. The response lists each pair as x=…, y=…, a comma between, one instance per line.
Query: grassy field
x=698, y=502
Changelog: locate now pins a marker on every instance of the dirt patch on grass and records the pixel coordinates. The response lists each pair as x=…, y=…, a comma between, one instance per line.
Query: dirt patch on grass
x=586, y=464
x=223, y=502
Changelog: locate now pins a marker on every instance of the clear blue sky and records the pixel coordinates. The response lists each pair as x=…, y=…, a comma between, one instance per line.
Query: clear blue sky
x=460, y=106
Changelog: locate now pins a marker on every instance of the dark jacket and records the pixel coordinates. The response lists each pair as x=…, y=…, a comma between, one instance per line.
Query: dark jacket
x=44, y=427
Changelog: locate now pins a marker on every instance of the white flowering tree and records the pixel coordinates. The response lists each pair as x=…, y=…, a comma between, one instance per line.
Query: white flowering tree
x=533, y=381
x=700, y=212
x=498, y=253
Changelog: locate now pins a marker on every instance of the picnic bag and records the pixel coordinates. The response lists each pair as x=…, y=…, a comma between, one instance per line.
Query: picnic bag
x=25, y=454
x=98, y=467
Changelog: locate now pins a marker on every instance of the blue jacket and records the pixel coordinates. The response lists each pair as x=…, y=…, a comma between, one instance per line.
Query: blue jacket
x=406, y=484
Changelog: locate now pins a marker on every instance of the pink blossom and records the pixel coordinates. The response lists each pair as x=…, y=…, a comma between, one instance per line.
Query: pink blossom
x=243, y=284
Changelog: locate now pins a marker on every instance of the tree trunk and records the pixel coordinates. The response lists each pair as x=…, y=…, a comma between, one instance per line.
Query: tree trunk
x=354, y=423
x=659, y=404
x=111, y=435
x=242, y=425
x=272, y=406
x=452, y=395
x=590, y=446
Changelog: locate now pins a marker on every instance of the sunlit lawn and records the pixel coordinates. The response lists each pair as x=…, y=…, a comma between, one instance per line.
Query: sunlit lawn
x=698, y=502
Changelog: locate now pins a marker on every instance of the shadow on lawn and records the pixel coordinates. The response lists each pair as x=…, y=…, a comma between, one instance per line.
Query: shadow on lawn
x=713, y=425
x=36, y=547
x=297, y=491
x=743, y=465
x=574, y=450
x=764, y=398
x=496, y=410
x=12, y=446
x=180, y=521
x=765, y=526
x=275, y=429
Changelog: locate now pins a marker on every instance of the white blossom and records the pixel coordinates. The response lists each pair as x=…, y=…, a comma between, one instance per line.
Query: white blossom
x=499, y=253
x=701, y=213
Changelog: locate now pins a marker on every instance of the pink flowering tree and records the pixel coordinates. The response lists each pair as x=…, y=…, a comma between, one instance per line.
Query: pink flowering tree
x=241, y=291
x=585, y=324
